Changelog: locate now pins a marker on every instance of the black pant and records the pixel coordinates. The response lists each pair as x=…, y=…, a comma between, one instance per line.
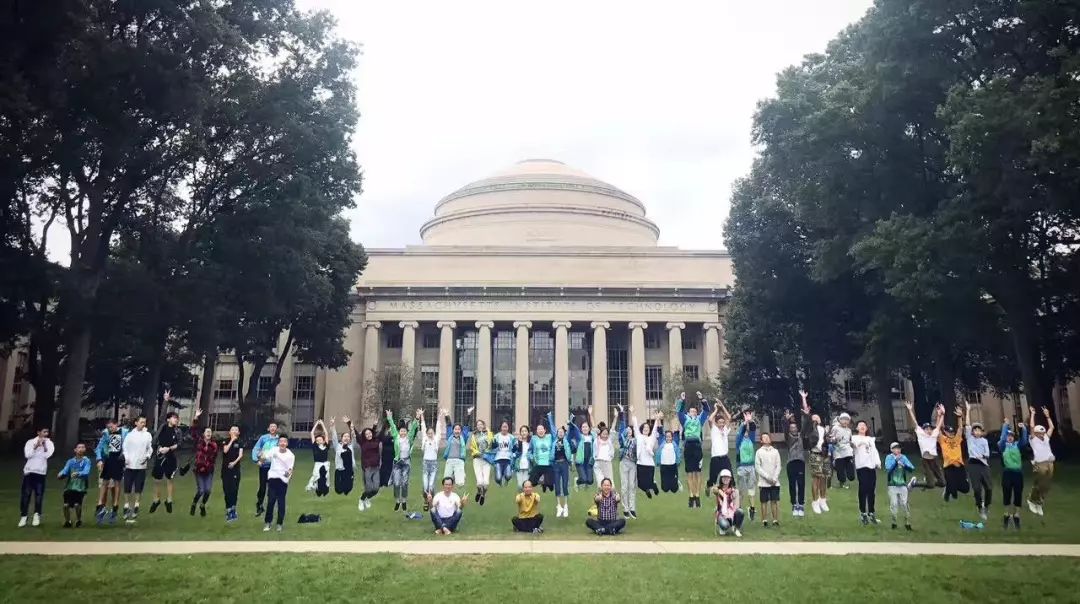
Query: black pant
x=608, y=527
x=980, y=482
x=646, y=479
x=796, y=481
x=669, y=478
x=343, y=480
x=716, y=465
x=230, y=485
x=1012, y=487
x=867, y=489
x=263, y=472
x=32, y=484
x=955, y=482
x=845, y=469
x=526, y=525
x=277, y=488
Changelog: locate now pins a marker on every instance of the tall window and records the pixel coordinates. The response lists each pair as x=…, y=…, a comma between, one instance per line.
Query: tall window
x=503, y=364
x=690, y=373
x=854, y=391
x=430, y=339
x=303, y=410
x=429, y=383
x=617, y=371
x=689, y=340
x=265, y=390
x=465, y=373
x=224, y=411
x=541, y=376
x=654, y=388
x=580, y=375
x=393, y=340
x=652, y=339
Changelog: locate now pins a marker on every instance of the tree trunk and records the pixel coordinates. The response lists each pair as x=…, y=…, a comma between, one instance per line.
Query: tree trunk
x=71, y=395
x=924, y=407
x=883, y=395
x=206, y=393
x=1028, y=356
x=946, y=378
x=151, y=395
x=44, y=401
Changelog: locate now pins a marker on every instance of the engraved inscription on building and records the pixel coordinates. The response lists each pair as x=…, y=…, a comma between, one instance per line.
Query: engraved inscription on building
x=658, y=306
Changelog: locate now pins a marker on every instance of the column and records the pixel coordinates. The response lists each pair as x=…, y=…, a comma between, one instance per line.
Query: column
x=345, y=386
x=521, y=373
x=675, y=360
x=483, y=371
x=712, y=349
x=446, y=366
x=637, y=368
x=562, y=372
x=408, y=346
x=371, y=406
x=599, y=370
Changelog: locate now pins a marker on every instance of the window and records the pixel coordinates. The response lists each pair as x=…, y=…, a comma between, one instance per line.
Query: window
x=265, y=390
x=689, y=341
x=618, y=379
x=654, y=387
x=225, y=390
x=503, y=372
x=899, y=386
x=972, y=397
x=429, y=386
x=465, y=373
x=303, y=411
x=580, y=374
x=541, y=376
x=854, y=391
x=430, y=339
x=690, y=373
x=652, y=339
x=393, y=340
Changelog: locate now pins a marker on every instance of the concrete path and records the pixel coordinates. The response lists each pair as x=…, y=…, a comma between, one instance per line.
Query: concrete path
x=537, y=546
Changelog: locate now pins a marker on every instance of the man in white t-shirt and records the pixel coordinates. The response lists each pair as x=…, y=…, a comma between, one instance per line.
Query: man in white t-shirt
x=446, y=508
x=928, y=447
x=37, y=451
x=137, y=449
x=282, y=461
x=1042, y=460
x=719, y=433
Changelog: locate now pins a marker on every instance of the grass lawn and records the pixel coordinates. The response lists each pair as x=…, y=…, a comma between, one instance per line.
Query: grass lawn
x=665, y=517
x=395, y=578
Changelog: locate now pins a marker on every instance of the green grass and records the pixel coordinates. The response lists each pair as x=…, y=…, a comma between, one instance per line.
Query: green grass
x=665, y=517
x=396, y=578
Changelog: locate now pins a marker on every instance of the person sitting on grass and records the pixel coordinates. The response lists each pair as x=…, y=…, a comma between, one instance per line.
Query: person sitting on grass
x=900, y=474
x=77, y=473
x=729, y=517
x=1012, y=470
x=607, y=521
x=529, y=518
x=446, y=507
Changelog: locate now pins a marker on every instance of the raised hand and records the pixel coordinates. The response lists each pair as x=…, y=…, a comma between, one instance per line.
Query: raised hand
x=700, y=397
x=958, y=411
x=803, y=394
x=910, y=405
x=1046, y=411
x=198, y=412
x=589, y=409
x=331, y=421
x=389, y=414
x=345, y=418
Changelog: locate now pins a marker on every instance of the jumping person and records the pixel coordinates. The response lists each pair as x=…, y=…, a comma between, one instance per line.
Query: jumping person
x=952, y=459
x=503, y=445
x=523, y=456
x=627, y=463
x=446, y=508
x=744, y=446
x=37, y=452
x=767, y=466
x=319, y=483
x=899, y=473
x=206, y=449
x=528, y=518
x=842, y=454
x=429, y=447
x=386, y=461
x=110, y=467
x=927, y=436
x=605, y=450
x=231, y=453
x=719, y=433
x=816, y=437
x=403, y=444
x=1012, y=471
x=607, y=521
x=370, y=461
x=138, y=448
x=481, y=442
x=265, y=442
x=562, y=453
x=282, y=461
x=1042, y=461
x=584, y=446
x=457, y=438
x=978, y=463
x=344, y=458
x=165, y=464
x=668, y=455
x=542, y=454
x=796, y=463
x=729, y=516
x=691, y=420
x=77, y=473
x=867, y=462
x=646, y=437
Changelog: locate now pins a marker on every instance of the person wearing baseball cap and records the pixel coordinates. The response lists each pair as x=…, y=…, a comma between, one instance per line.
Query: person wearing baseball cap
x=1042, y=461
x=978, y=463
x=952, y=458
x=900, y=474
x=927, y=436
x=729, y=516
x=843, y=453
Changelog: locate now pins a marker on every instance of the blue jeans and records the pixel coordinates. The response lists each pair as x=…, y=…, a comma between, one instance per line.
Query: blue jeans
x=503, y=472
x=450, y=523
x=584, y=473
x=562, y=478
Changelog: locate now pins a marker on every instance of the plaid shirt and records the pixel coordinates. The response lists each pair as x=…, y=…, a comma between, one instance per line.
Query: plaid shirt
x=205, y=455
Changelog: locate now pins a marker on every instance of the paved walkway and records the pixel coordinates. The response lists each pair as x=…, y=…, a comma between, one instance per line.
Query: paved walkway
x=537, y=546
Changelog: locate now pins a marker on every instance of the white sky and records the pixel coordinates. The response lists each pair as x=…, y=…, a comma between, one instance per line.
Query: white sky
x=654, y=98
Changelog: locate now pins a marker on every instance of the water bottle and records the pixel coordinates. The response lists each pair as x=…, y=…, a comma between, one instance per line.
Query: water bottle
x=968, y=525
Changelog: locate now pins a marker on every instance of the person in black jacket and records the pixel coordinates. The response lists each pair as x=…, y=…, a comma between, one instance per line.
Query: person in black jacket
x=165, y=464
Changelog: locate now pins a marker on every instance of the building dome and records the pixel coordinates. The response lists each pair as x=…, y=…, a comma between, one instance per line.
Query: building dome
x=540, y=202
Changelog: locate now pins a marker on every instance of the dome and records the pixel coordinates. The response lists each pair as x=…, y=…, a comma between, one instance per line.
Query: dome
x=540, y=202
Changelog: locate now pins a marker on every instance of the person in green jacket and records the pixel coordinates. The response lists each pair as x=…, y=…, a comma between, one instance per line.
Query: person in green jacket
x=403, y=444
x=1012, y=471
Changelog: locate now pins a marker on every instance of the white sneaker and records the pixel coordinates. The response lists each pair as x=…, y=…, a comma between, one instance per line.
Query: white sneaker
x=566, y=511
x=824, y=506
x=360, y=506
x=1040, y=512
x=794, y=512
x=816, y=506
x=37, y=518
x=1031, y=506
x=266, y=529
x=22, y=522
x=738, y=533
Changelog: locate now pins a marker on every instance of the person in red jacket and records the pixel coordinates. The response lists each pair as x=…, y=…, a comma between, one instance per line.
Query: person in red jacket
x=206, y=450
x=370, y=461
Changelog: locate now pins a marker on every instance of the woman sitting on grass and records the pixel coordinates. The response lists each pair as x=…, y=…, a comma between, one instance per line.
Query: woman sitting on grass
x=607, y=521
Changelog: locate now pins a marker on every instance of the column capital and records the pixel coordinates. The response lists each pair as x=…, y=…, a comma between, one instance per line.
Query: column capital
x=445, y=324
x=637, y=325
x=525, y=324
x=412, y=324
x=675, y=326
x=372, y=324
x=558, y=324
x=488, y=324
x=600, y=325
x=708, y=326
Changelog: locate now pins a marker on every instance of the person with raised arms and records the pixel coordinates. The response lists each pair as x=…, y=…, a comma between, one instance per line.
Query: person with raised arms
x=646, y=437
x=561, y=454
x=503, y=454
x=627, y=463
x=816, y=438
x=668, y=454
x=319, y=483
x=344, y=457
x=1042, y=461
x=952, y=458
x=746, y=477
x=542, y=452
x=457, y=438
x=867, y=461
x=370, y=462
x=403, y=444
x=719, y=433
x=584, y=445
x=691, y=420
x=429, y=447
x=481, y=444
x=206, y=449
x=605, y=450
x=1012, y=471
x=165, y=462
x=843, y=455
x=796, y=463
x=928, y=435
x=138, y=448
x=978, y=463
x=231, y=454
x=522, y=460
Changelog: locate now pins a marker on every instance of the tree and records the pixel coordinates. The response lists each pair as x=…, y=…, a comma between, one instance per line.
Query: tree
x=396, y=388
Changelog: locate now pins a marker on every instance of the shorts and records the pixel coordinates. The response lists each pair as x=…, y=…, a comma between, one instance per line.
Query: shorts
x=745, y=479
x=73, y=498
x=134, y=480
x=165, y=466
x=692, y=455
x=819, y=465
x=767, y=494
x=113, y=467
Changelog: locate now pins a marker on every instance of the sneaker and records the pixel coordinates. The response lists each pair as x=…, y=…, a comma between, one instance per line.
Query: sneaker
x=22, y=522
x=764, y=524
x=538, y=531
x=1005, y=522
x=397, y=505
x=864, y=519
x=78, y=524
x=690, y=502
x=1031, y=506
x=874, y=519
x=36, y=520
x=982, y=514
x=112, y=517
x=266, y=529
x=168, y=507
x=193, y=509
x=907, y=527
x=845, y=486
x=738, y=533
x=280, y=528
x=911, y=483
x=127, y=513
x=483, y=498
x=633, y=514
x=1040, y=512
x=135, y=513
x=99, y=516
x=776, y=524
x=816, y=506
x=794, y=511
x=360, y=506
x=625, y=514
x=752, y=512
x=67, y=524
x=894, y=526
x=154, y=506
x=824, y=506
x=1016, y=521
x=202, y=511
x=599, y=532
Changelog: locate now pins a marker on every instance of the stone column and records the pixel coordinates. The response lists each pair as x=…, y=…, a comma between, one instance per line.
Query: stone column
x=345, y=391
x=712, y=349
x=483, y=371
x=521, y=374
x=446, y=367
x=599, y=370
x=637, y=367
x=562, y=372
x=372, y=407
x=408, y=346
x=675, y=360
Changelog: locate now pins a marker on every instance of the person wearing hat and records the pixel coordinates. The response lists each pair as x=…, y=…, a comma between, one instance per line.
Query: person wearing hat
x=729, y=517
x=927, y=436
x=952, y=458
x=1012, y=470
x=1042, y=461
x=843, y=454
x=900, y=471
x=978, y=463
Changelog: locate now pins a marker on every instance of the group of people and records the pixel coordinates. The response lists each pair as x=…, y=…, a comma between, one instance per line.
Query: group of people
x=542, y=460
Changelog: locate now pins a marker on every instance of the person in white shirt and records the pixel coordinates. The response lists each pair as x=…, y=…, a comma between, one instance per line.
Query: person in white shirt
x=137, y=447
x=646, y=437
x=1042, y=461
x=927, y=436
x=719, y=430
x=37, y=452
x=282, y=461
x=523, y=444
x=867, y=462
x=446, y=507
x=429, y=446
x=504, y=455
x=605, y=449
x=840, y=437
x=767, y=467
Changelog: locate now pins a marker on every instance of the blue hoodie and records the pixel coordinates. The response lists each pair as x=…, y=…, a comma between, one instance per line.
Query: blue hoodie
x=265, y=442
x=101, y=451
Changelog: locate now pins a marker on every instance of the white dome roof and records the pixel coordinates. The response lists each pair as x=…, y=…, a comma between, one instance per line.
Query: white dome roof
x=540, y=202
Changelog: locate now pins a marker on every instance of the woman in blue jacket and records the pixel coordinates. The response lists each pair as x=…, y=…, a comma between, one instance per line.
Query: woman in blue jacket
x=668, y=456
x=541, y=453
x=565, y=445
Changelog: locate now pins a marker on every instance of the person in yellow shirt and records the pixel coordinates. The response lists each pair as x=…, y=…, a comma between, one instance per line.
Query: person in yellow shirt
x=529, y=518
x=952, y=458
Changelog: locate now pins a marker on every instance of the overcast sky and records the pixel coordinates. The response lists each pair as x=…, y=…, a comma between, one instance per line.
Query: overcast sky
x=654, y=98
